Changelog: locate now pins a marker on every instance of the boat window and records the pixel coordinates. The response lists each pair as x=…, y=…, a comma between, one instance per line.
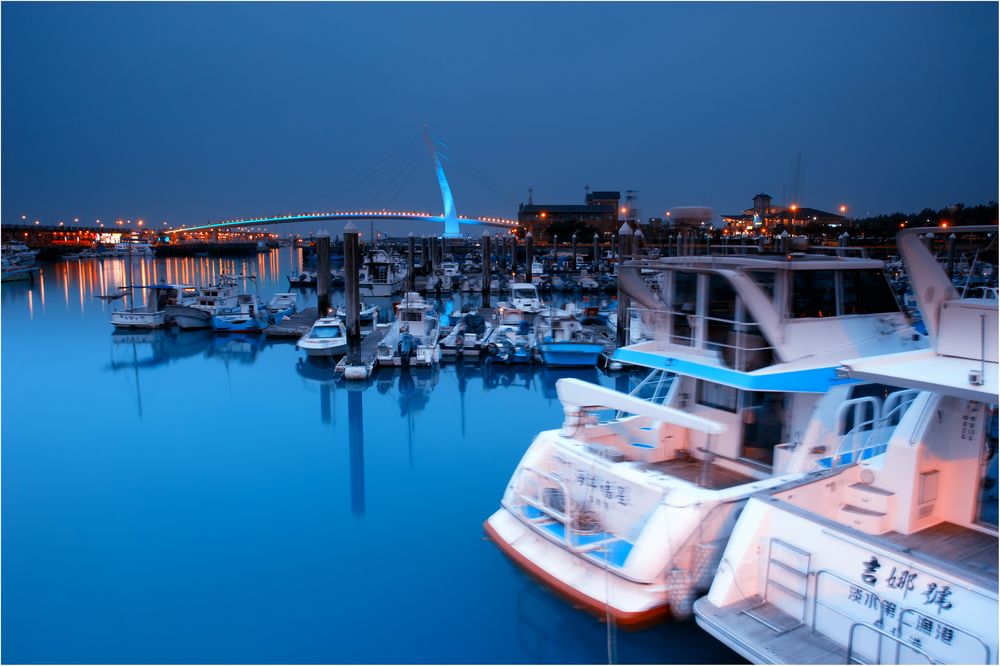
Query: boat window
x=764, y=280
x=524, y=293
x=987, y=512
x=814, y=294
x=683, y=302
x=721, y=310
x=763, y=415
x=411, y=316
x=324, y=332
x=718, y=396
x=866, y=292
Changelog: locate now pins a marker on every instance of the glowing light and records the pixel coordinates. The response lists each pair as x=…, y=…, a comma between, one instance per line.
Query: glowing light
x=843, y=208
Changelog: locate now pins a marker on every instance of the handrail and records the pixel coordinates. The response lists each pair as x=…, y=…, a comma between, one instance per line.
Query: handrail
x=881, y=633
x=904, y=398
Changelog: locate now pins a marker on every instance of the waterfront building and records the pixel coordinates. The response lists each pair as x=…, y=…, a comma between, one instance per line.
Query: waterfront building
x=598, y=213
x=765, y=215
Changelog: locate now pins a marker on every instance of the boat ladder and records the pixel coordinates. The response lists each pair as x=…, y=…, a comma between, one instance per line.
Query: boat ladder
x=787, y=569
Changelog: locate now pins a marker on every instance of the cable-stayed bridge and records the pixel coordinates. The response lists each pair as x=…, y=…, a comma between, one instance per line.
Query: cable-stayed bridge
x=449, y=217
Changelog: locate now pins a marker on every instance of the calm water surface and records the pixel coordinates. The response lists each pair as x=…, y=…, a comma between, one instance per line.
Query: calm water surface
x=181, y=497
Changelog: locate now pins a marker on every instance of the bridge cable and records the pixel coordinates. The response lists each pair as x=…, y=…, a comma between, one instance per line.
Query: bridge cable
x=390, y=182
x=361, y=175
x=403, y=184
x=480, y=176
x=372, y=181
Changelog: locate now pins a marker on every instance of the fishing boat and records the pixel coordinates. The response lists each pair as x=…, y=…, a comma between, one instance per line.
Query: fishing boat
x=13, y=271
x=220, y=296
x=467, y=338
x=513, y=340
x=366, y=313
x=892, y=559
x=381, y=275
x=282, y=305
x=247, y=316
x=153, y=314
x=326, y=337
x=522, y=302
x=563, y=341
x=413, y=338
x=626, y=509
x=302, y=279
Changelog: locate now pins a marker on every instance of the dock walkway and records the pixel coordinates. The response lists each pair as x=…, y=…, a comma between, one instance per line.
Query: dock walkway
x=362, y=364
x=295, y=326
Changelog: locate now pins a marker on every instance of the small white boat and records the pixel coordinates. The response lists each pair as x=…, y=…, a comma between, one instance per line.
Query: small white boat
x=282, y=305
x=326, y=337
x=366, y=313
x=468, y=338
x=413, y=338
x=523, y=302
x=563, y=341
x=154, y=313
x=248, y=316
x=381, y=275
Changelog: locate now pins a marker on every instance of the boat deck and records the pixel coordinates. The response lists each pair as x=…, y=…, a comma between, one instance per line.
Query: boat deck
x=294, y=326
x=760, y=643
x=707, y=475
x=969, y=552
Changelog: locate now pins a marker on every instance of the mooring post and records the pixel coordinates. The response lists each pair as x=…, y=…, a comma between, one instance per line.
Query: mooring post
x=842, y=243
x=527, y=257
x=637, y=242
x=572, y=258
x=323, y=273
x=786, y=242
x=424, y=254
x=486, y=269
x=410, y=277
x=352, y=294
x=951, y=255
x=597, y=258
x=621, y=330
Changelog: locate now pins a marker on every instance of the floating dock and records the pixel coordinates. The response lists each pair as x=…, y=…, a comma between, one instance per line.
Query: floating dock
x=362, y=364
x=295, y=326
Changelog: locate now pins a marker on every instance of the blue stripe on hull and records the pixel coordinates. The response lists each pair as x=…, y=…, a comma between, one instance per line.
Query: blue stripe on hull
x=570, y=353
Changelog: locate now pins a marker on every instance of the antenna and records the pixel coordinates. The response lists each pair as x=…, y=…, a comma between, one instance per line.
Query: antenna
x=531, y=191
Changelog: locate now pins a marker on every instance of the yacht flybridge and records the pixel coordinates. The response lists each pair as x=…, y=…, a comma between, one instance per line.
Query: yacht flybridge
x=894, y=559
x=627, y=508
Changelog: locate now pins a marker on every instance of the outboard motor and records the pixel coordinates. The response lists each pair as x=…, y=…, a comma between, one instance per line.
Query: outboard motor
x=406, y=348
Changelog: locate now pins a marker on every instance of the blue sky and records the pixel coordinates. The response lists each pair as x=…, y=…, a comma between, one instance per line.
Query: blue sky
x=188, y=112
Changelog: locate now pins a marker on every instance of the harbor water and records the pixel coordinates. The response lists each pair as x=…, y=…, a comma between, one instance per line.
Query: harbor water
x=183, y=497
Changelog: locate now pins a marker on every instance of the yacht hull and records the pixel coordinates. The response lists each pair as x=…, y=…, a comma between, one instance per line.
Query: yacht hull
x=632, y=605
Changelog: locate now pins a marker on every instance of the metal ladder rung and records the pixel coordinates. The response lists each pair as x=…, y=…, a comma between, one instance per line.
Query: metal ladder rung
x=790, y=569
x=787, y=589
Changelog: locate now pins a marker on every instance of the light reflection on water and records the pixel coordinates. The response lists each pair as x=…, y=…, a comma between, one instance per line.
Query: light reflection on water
x=184, y=497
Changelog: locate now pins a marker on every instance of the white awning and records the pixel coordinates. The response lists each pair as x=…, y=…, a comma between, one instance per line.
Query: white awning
x=928, y=371
x=581, y=394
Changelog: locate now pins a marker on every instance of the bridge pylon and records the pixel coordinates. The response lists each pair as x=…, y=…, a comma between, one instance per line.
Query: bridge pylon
x=451, y=229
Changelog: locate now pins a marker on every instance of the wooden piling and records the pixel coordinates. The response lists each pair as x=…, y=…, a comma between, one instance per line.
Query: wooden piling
x=323, y=273
x=352, y=296
x=410, y=277
x=487, y=268
x=527, y=257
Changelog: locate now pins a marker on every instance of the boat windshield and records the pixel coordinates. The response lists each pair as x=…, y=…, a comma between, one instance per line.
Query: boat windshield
x=325, y=332
x=525, y=293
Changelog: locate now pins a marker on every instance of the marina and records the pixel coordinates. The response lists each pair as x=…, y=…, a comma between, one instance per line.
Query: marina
x=413, y=333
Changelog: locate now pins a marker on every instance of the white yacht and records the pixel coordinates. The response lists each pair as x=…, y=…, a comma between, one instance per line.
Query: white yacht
x=381, y=275
x=326, y=337
x=626, y=509
x=413, y=338
x=892, y=559
x=153, y=314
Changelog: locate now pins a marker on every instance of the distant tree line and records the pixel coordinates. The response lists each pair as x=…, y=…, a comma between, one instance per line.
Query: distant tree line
x=958, y=215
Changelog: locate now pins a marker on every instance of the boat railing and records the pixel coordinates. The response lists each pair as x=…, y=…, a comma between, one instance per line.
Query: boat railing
x=882, y=633
x=565, y=516
x=956, y=630
x=872, y=433
x=740, y=345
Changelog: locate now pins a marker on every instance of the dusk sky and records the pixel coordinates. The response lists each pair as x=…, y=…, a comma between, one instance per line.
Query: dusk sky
x=194, y=112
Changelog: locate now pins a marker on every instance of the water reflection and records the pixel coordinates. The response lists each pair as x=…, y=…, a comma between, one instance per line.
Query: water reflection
x=356, y=444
